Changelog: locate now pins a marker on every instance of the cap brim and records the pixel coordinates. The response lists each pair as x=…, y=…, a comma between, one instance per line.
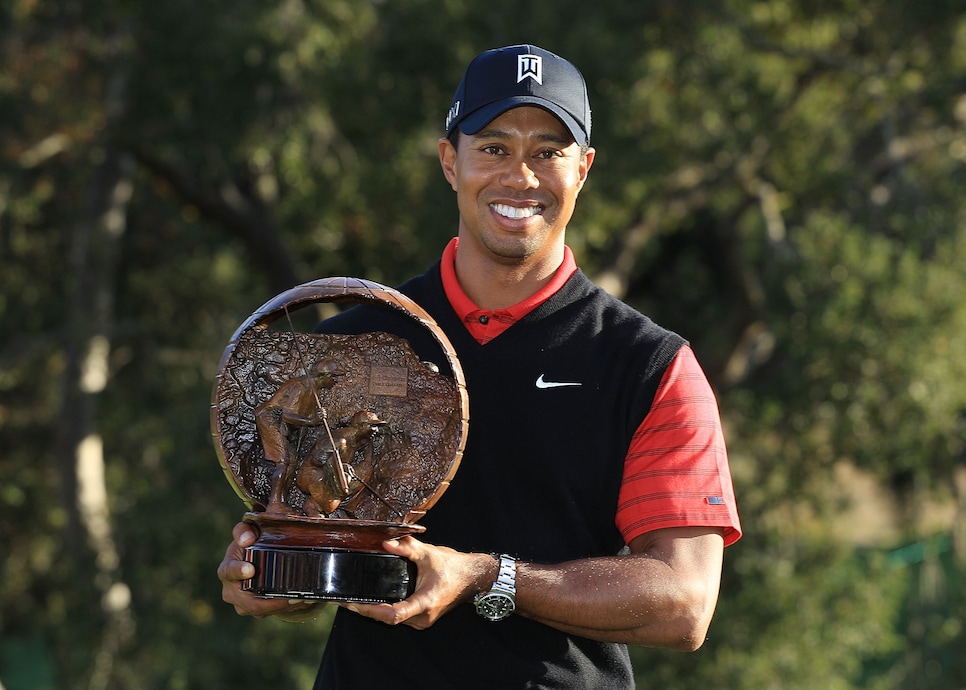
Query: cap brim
x=481, y=117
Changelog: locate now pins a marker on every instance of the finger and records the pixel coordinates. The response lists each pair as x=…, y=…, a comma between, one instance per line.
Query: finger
x=244, y=534
x=231, y=570
x=297, y=605
x=379, y=612
x=407, y=547
x=247, y=604
x=412, y=611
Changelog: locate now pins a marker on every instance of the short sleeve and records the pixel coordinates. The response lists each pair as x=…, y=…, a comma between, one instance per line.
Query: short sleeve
x=676, y=472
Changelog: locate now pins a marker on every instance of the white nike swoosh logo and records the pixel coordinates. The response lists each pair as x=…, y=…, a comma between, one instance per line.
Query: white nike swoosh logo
x=553, y=384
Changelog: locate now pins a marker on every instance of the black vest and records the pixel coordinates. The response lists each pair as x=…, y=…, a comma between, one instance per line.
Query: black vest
x=539, y=480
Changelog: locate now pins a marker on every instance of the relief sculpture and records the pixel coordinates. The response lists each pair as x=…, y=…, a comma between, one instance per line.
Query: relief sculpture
x=337, y=441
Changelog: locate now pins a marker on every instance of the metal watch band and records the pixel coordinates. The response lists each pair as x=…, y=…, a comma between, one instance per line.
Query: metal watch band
x=507, y=579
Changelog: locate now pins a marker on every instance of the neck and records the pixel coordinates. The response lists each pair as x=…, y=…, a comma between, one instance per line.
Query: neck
x=496, y=283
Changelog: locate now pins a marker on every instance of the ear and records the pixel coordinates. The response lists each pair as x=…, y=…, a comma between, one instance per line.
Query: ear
x=586, y=161
x=447, y=160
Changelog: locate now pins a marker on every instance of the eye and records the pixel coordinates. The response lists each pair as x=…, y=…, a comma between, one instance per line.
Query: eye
x=547, y=154
x=492, y=149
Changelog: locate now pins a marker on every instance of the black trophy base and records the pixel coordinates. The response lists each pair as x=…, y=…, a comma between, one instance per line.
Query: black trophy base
x=329, y=575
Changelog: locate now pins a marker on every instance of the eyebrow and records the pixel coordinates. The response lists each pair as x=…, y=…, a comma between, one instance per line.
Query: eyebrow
x=501, y=134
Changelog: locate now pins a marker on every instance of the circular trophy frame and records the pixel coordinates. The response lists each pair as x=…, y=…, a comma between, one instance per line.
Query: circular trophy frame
x=417, y=421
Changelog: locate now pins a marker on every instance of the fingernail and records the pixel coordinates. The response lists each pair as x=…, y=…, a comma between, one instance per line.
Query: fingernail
x=248, y=571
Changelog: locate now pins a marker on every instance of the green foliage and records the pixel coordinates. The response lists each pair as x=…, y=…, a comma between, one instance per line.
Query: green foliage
x=808, y=621
x=779, y=181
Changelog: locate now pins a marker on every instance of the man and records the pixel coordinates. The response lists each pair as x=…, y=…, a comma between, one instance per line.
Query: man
x=294, y=405
x=594, y=469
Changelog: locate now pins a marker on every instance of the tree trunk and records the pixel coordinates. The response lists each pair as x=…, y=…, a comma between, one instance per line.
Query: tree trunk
x=90, y=545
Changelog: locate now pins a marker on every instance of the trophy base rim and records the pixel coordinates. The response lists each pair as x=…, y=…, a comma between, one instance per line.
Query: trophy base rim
x=299, y=531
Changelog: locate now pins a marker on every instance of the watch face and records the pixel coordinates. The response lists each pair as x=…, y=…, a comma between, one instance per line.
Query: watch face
x=495, y=606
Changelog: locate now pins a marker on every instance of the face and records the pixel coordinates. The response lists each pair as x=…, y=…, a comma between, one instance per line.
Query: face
x=516, y=184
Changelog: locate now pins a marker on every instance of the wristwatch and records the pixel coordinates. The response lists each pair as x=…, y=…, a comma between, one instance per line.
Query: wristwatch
x=499, y=602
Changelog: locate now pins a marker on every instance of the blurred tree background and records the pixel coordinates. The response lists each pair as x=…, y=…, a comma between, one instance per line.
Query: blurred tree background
x=779, y=181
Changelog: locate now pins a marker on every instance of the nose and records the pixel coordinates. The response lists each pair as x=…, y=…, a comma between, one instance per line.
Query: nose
x=519, y=175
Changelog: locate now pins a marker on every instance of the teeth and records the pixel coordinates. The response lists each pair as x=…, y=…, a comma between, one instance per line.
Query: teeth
x=514, y=212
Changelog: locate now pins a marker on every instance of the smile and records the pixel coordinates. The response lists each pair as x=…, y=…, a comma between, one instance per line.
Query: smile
x=514, y=212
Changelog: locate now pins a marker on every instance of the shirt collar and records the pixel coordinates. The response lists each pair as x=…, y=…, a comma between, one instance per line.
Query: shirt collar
x=465, y=307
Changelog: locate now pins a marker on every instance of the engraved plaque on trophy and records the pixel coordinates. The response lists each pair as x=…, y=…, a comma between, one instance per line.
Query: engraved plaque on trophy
x=335, y=443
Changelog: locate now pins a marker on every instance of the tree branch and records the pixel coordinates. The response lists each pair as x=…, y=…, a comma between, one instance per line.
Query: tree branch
x=240, y=214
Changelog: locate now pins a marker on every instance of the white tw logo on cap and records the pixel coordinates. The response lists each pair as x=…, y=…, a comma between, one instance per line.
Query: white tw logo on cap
x=453, y=113
x=530, y=66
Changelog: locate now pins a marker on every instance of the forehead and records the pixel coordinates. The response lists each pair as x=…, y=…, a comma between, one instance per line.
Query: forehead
x=528, y=121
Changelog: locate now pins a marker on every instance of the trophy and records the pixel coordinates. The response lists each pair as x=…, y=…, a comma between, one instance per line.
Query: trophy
x=335, y=443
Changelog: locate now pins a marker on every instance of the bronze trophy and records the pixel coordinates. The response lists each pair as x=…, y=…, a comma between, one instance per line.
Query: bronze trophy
x=335, y=443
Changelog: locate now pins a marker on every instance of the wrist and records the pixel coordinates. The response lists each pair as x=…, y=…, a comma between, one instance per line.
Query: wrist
x=490, y=573
x=486, y=569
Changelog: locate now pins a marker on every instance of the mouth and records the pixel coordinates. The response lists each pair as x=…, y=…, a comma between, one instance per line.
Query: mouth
x=516, y=212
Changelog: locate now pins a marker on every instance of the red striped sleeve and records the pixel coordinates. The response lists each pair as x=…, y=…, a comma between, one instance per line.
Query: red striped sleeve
x=676, y=472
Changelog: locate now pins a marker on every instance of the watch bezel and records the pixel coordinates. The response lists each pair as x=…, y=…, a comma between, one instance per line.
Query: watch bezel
x=495, y=605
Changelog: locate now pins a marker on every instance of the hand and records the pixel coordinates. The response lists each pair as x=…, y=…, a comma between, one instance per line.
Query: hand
x=445, y=578
x=234, y=569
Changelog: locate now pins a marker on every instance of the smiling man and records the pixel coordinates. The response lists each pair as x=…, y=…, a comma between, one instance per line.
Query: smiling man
x=594, y=499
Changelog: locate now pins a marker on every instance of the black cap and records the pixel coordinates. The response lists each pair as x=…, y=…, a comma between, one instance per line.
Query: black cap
x=505, y=78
